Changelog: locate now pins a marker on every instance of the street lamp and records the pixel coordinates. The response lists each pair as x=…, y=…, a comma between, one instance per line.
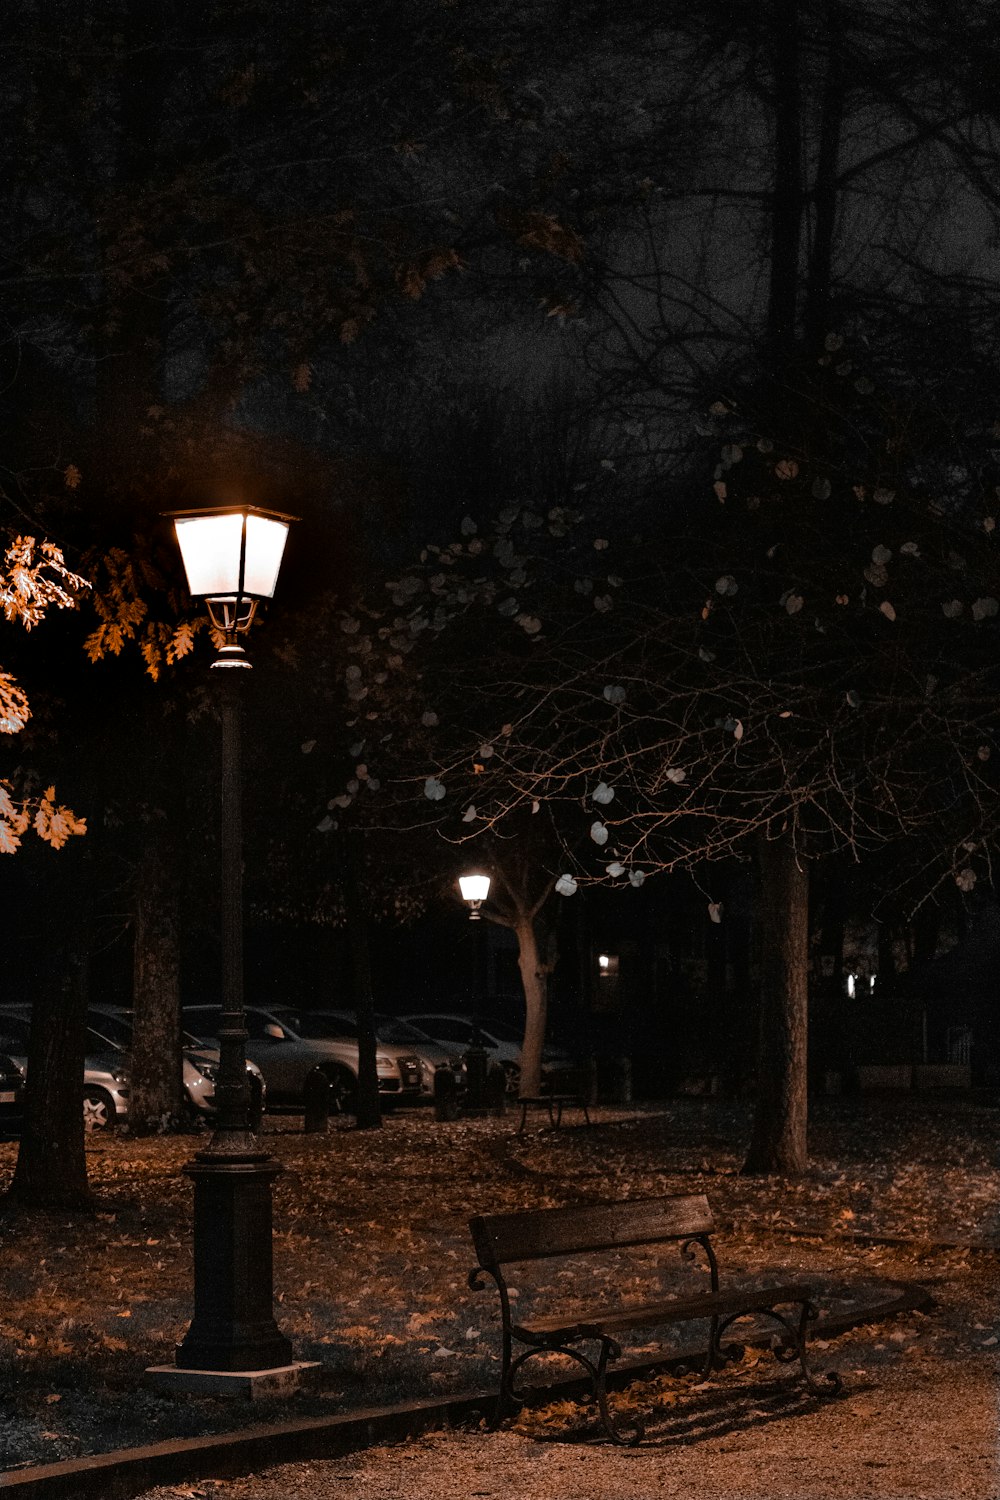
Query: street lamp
x=231, y=556
x=475, y=888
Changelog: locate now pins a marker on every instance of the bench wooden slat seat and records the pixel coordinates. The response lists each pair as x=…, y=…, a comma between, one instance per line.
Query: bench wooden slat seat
x=684, y=1219
x=595, y=1321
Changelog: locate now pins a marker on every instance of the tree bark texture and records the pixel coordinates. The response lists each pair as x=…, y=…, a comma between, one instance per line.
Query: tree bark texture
x=825, y=193
x=51, y=1169
x=156, y=1102
x=369, y=1108
x=535, y=980
x=779, y=1138
x=786, y=198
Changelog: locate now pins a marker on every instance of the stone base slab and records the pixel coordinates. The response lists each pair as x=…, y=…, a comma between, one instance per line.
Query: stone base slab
x=250, y=1384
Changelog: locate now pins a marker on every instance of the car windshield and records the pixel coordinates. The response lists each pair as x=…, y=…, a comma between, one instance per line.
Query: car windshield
x=392, y=1029
x=14, y=1031
x=13, y=1034
x=327, y=1023
x=504, y=1033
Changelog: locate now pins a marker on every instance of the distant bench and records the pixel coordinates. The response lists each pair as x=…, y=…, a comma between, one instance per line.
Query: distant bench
x=554, y=1104
x=567, y=1088
x=501, y=1239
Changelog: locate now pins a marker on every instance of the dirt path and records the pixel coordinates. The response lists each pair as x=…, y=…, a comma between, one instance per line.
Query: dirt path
x=911, y=1436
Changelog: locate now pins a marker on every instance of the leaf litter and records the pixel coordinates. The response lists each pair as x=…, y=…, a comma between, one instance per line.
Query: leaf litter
x=372, y=1253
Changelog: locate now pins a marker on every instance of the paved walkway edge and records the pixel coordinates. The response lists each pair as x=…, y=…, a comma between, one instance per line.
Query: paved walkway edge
x=129, y=1471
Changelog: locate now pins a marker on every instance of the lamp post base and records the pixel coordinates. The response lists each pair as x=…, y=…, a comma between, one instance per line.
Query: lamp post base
x=233, y=1328
x=251, y=1385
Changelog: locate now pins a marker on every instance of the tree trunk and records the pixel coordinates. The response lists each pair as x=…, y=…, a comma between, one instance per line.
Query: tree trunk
x=825, y=193
x=156, y=1102
x=786, y=195
x=741, y=1012
x=779, y=1139
x=535, y=980
x=51, y=1169
x=369, y=1115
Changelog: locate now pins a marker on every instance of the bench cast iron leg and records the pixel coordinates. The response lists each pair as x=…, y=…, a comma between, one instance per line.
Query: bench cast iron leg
x=795, y=1347
x=509, y=1402
x=625, y=1436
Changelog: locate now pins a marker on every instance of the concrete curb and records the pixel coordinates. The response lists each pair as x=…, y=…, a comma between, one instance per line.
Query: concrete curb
x=129, y=1471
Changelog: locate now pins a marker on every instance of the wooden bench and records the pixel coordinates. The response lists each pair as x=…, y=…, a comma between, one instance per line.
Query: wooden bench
x=502, y=1239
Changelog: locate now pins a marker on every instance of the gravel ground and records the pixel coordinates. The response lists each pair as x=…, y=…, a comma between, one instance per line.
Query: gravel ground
x=909, y=1437
x=371, y=1254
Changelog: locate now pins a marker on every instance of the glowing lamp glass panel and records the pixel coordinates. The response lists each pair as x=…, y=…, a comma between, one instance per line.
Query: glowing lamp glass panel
x=474, y=887
x=265, y=547
x=210, y=552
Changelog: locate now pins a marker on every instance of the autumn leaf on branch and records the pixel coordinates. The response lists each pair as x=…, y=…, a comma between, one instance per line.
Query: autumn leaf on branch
x=35, y=578
x=540, y=231
x=14, y=819
x=412, y=279
x=54, y=823
x=14, y=709
x=124, y=591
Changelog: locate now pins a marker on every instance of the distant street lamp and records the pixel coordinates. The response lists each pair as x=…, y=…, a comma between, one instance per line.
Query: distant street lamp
x=475, y=888
x=231, y=557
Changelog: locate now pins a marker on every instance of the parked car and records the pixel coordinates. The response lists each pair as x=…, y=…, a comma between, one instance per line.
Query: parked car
x=105, y=1071
x=288, y=1045
x=501, y=1041
x=11, y=1093
x=391, y=1031
x=199, y=1064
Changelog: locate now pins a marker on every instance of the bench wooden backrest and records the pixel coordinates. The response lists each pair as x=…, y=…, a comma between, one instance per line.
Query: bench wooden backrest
x=502, y=1238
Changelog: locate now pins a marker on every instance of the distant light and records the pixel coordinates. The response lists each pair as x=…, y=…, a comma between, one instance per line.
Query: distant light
x=851, y=985
x=474, y=887
x=603, y=961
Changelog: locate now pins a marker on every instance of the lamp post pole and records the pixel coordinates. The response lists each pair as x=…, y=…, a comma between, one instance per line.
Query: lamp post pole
x=231, y=557
x=232, y=1127
x=475, y=889
x=233, y=1328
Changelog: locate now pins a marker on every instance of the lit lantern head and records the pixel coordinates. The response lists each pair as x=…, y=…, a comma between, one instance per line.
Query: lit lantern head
x=475, y=889
x=231, y=556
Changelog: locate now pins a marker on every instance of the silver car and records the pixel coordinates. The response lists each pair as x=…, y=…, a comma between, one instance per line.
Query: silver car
x=501, y=1041
x=288, y=1046
x=112, y=1024
x=105, y=1074
x=391, y=1031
